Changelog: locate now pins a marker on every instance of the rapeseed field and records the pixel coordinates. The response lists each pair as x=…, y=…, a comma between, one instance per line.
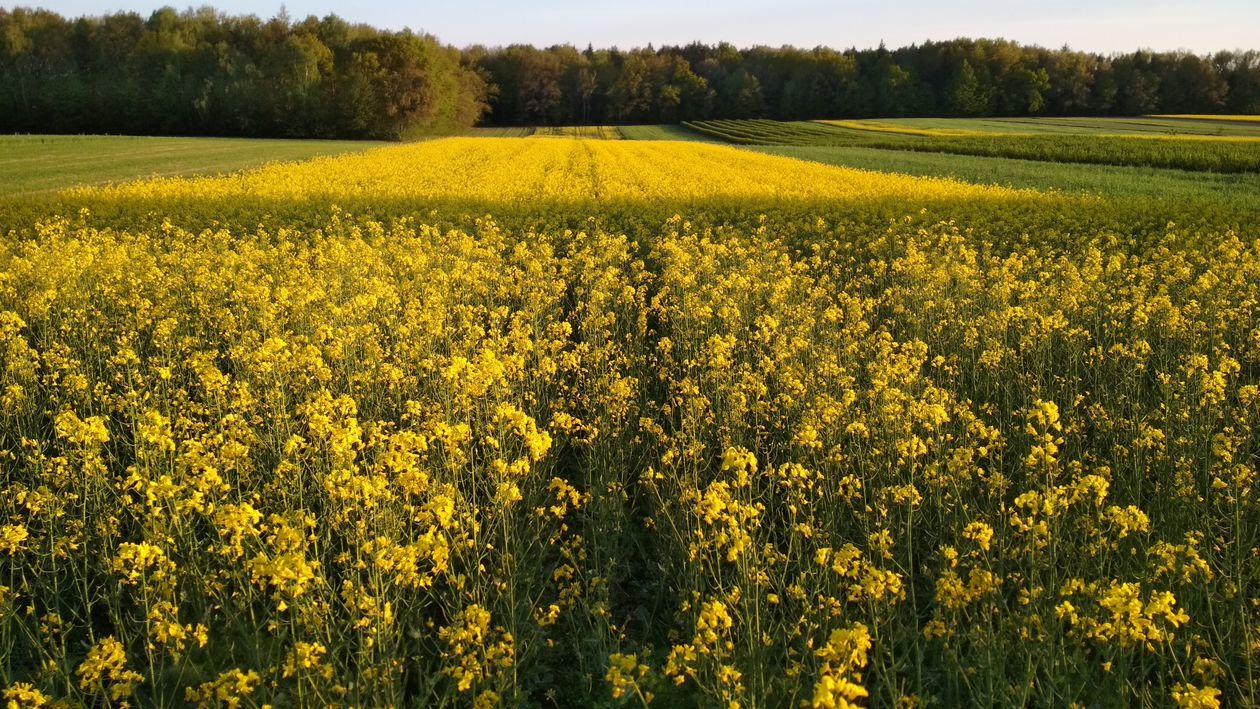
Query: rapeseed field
x=526, y=421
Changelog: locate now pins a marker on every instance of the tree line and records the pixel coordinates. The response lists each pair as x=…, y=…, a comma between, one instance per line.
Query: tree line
x=962, y=77
x=201, y=72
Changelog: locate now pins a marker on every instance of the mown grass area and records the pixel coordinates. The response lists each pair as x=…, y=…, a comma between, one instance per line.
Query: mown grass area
x=1202, y=153
x=1239, y=191
x=47, y=163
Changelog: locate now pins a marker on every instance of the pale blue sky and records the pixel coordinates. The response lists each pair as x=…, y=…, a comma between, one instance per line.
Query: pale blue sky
x=1101, y=25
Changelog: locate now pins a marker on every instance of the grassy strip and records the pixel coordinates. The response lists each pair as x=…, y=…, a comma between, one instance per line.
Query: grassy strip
x=41, y=164
x=1238, y=191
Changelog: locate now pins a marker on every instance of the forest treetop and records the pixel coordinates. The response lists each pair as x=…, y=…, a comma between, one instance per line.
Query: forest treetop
x=202, y=72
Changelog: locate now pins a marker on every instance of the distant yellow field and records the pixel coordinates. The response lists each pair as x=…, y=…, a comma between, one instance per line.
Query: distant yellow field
x=495, y=170
x=597, y=132
x=1204, y=117
x=880, y=127
x=1018, y=131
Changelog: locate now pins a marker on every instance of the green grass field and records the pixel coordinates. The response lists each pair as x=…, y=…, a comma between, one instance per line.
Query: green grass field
x=38, y=164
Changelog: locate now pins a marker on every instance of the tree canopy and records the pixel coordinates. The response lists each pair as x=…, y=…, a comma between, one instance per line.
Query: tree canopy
x=201, y=72
x=962, y=77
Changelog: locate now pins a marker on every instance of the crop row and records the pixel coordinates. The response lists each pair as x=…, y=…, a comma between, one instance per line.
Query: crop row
x=1227, y=155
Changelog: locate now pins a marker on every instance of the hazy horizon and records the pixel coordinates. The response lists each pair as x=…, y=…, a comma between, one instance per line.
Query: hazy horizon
x=1092, y=27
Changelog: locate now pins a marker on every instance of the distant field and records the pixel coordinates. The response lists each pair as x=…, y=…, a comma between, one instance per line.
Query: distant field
x=1147, y=126
x=665, y=132
x=1235, y=191
x=595, y=132
x=1233, y=154
x=35, y=164
x=505, y=132
x=42, y=164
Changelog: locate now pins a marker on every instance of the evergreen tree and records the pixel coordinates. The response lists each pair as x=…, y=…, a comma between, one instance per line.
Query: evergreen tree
x=965, y=97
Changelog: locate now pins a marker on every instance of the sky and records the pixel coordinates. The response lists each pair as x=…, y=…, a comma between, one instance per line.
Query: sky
x=1098, y=26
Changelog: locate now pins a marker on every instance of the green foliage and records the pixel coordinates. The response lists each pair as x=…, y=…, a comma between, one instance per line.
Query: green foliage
x=966, y=96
